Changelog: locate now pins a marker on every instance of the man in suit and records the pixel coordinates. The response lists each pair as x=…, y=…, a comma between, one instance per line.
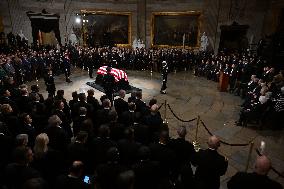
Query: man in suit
x=50, y=85
x=185, y=152
x=66, y=66
x=102, y=114
x=210, y=165
x=74, y=179
x=120, y=104
x=23, y=101
x=140, y=104
x=78, y=150
x=19, y=171
x=257, y=179
x=28, y=128
x=109, y=84
x=82, y=103
x=6, y=99
x=58, y=138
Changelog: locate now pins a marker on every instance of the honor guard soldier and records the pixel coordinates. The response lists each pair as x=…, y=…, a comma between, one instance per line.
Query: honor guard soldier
x=165, y=69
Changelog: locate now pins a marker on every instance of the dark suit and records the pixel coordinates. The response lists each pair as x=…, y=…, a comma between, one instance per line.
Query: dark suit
x=147, y=174
x=23, y=103
x=129, y=118
x=102, y=117
x=77, y=151
x=120, y=106
x=165, y=156
x=98, y=149
x=140, y=106
x=64, y=181
x=16, y=175
x=109, y=85
x=7, y=100
x=128, y=151
x=77, y=124
x=210, y=165
x=58, y=138
x=77, y=105
x=252, y=180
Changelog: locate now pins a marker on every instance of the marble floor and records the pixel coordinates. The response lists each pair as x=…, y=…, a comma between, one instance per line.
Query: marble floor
x=190, y=96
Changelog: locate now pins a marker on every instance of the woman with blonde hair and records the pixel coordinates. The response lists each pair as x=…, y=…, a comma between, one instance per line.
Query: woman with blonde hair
x=40, y=147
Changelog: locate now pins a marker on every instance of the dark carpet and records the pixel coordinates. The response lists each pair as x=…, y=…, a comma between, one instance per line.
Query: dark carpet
x=100, y=88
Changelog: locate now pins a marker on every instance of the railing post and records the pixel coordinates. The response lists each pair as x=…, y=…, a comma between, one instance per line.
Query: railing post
x=165, y=113
x=249, y=156
x=195, y=143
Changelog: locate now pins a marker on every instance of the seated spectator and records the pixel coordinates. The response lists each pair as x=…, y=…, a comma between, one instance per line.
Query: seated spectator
x=257, y=179
x=210, y=165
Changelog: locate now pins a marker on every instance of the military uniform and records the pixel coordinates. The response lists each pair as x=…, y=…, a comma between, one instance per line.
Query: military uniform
x=165, y=69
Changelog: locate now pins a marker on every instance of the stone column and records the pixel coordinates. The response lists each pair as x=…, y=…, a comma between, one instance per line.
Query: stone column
x=141, y=20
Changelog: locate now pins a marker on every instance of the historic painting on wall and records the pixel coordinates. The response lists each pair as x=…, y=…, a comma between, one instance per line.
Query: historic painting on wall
x=107, y=28
x=176, y=29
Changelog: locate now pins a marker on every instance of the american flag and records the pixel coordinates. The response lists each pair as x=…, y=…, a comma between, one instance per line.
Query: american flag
x=117, y=74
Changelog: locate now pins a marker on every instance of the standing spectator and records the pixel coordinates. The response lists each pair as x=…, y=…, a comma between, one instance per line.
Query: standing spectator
x=50, y=85
x=210, y=165
x=257, y=179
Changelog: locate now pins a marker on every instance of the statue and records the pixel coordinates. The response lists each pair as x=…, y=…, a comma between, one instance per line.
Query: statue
x=138, y=44
x=134, y=44
x=203, y=42
x=73, y=38
x=23, y=37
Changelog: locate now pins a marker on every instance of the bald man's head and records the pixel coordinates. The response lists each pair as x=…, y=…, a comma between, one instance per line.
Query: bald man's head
x=213, y=142
x=262, y=165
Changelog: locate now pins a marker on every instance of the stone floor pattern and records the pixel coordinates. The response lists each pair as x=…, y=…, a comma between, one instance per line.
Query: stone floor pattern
x=189, y=97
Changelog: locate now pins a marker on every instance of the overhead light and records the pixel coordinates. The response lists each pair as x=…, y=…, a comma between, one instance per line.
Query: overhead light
x=78, y=20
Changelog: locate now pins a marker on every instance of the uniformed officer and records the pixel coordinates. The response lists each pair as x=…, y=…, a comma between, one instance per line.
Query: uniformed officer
x=165, y=69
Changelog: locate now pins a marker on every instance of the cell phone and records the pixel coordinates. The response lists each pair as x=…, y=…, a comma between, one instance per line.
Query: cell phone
x=87, y=179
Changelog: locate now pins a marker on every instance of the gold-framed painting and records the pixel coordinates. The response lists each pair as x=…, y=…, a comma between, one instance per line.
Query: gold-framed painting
x=176, y=29
x=106, y=28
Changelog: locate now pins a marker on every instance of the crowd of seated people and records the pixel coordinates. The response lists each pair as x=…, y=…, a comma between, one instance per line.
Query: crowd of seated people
x=250, y=77
x=52, y=143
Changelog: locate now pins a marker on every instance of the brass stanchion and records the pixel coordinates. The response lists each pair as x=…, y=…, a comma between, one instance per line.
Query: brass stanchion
x=195, y=143
x=165, y=115
x=249, y=156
